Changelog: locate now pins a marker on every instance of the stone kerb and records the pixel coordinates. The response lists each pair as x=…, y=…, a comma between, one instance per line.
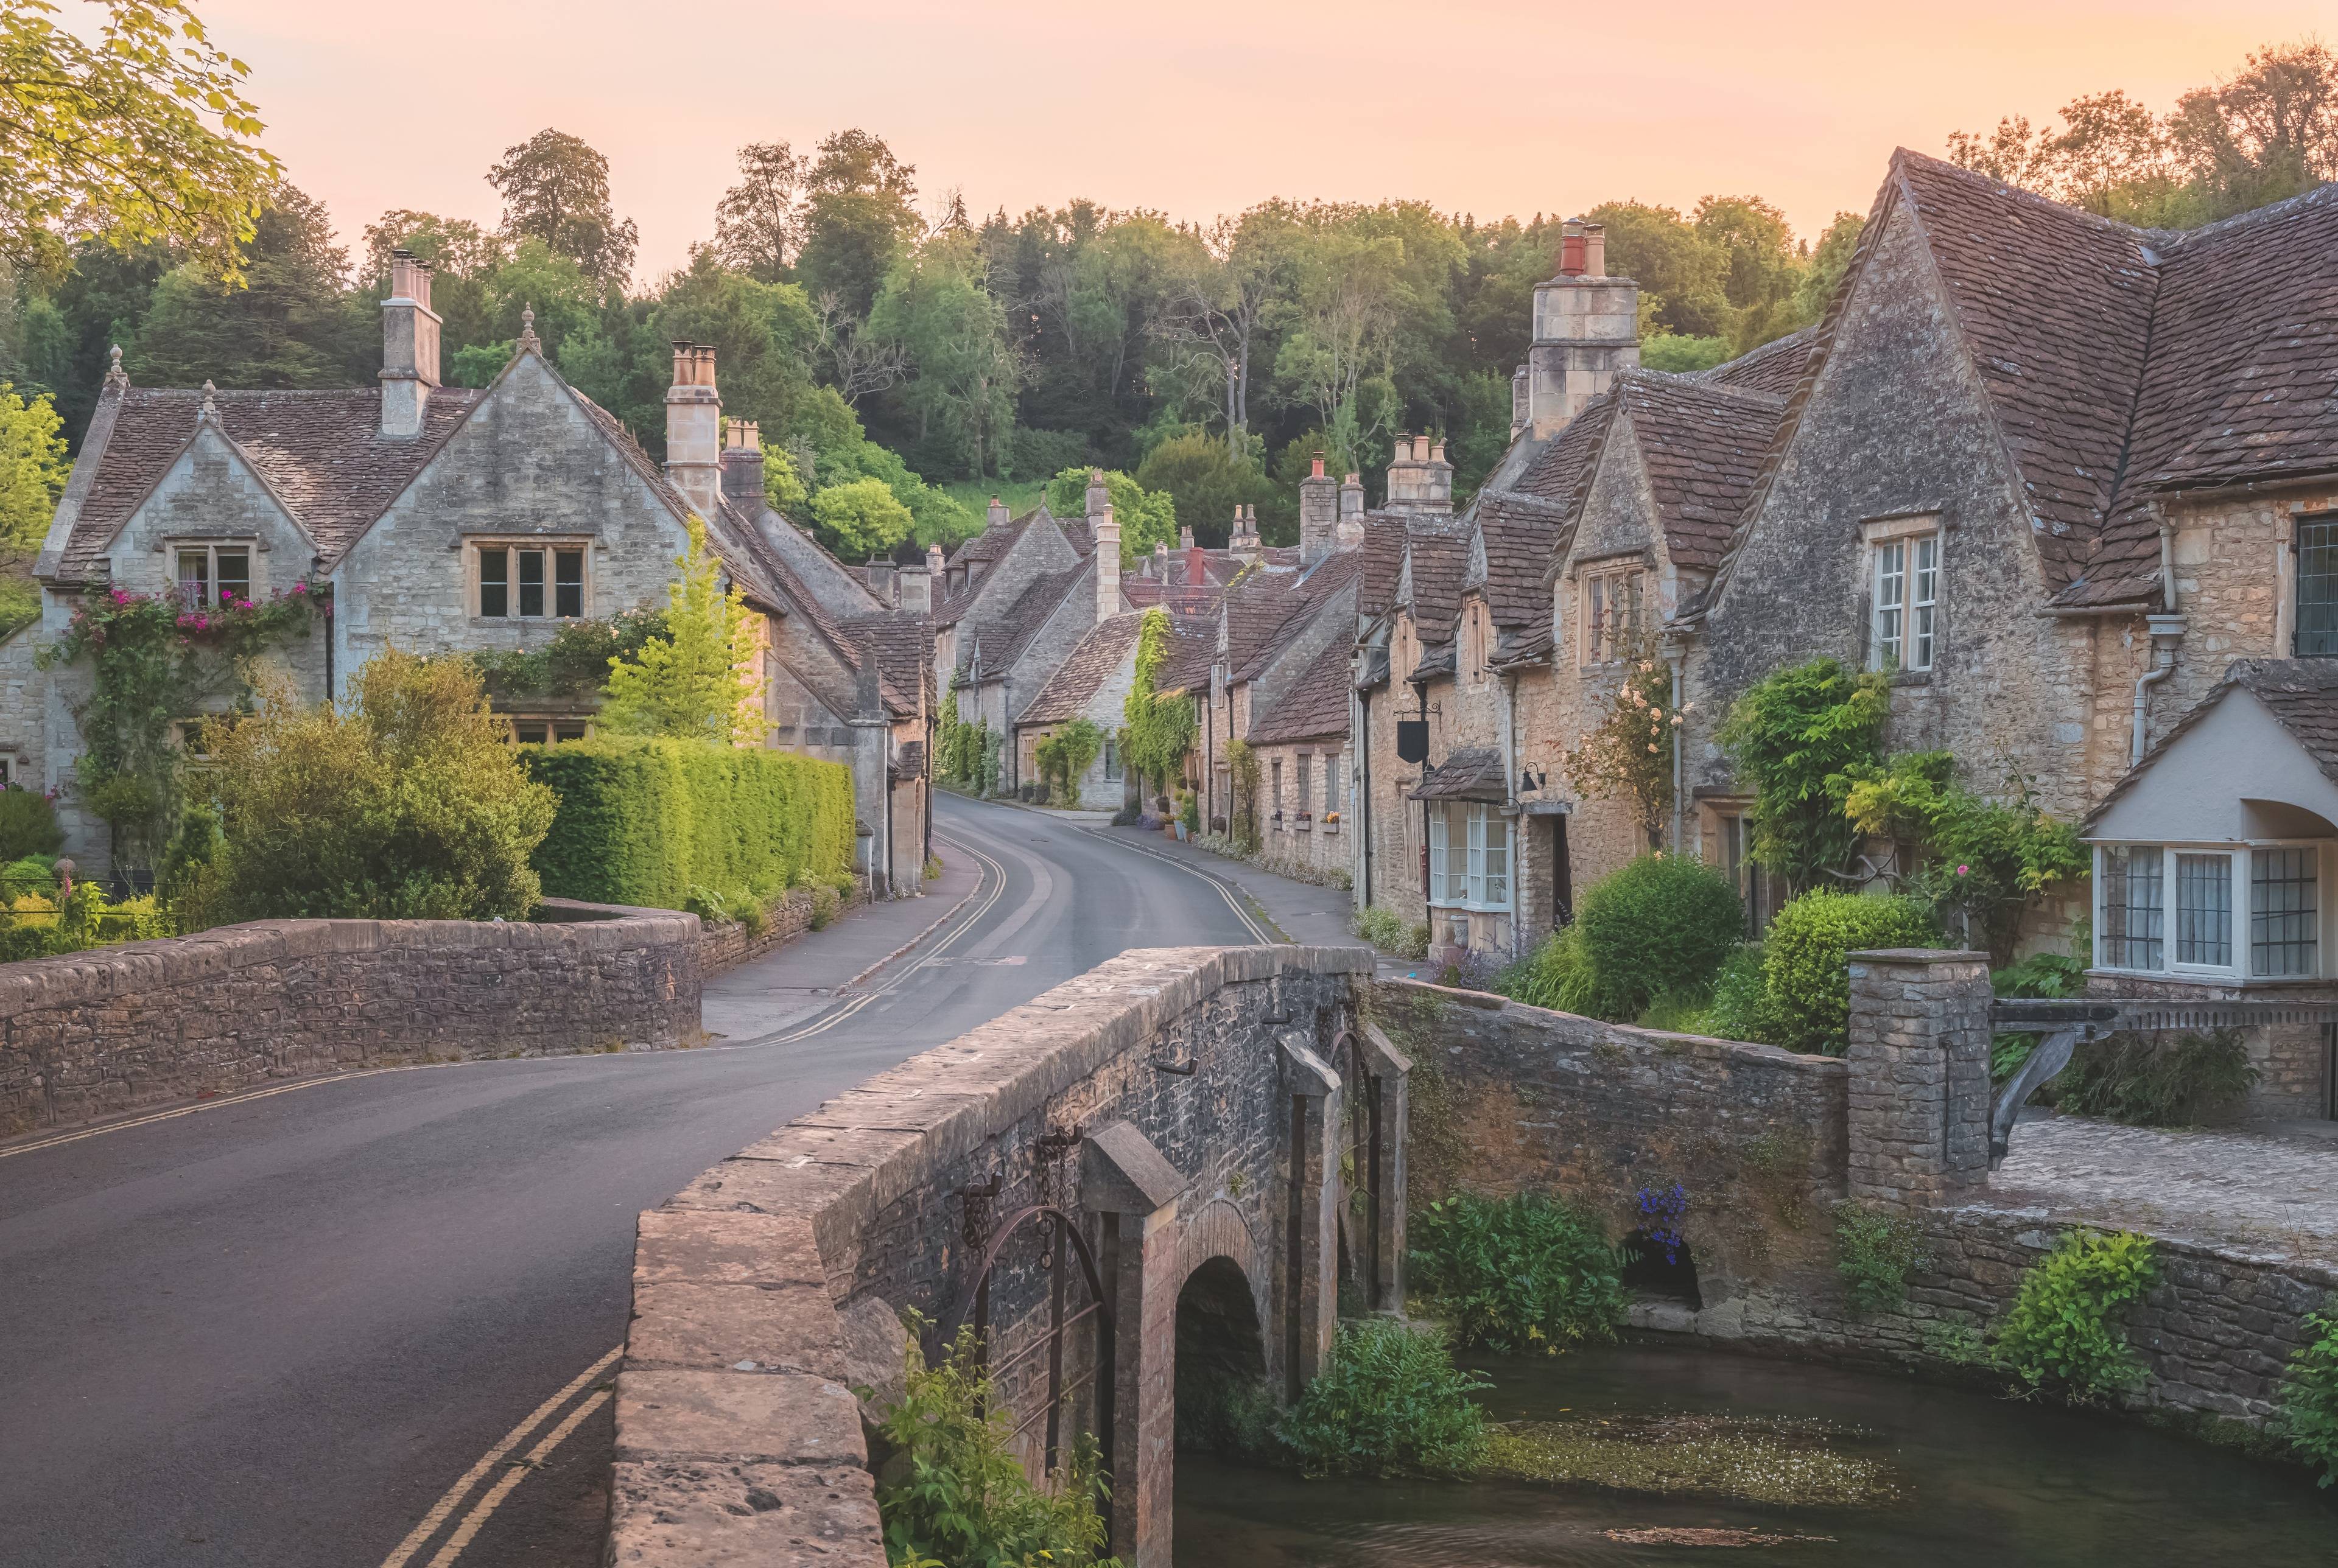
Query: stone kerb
x=1919, y=1086
x=738, y=1278
x=95, y=1033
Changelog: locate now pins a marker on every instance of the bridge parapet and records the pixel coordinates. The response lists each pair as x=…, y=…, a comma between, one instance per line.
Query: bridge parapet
x=1054, y=1178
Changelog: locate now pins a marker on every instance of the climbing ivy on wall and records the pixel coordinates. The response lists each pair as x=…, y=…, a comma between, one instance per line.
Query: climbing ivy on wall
x=1788, y=736
x=1064, y=756
x=1160, y=728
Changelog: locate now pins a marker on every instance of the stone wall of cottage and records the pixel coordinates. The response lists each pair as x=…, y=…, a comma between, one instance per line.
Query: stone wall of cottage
x=1310, y=847
x=24, y=709
x=96, y=1034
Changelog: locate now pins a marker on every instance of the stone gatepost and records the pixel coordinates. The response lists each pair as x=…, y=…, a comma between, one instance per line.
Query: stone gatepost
x=1920, y=1089
x=1387, y=1103
x=1310, y=1261
x=1125, y=1179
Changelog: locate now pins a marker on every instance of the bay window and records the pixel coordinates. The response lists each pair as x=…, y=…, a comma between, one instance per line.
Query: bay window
x=2175, y=910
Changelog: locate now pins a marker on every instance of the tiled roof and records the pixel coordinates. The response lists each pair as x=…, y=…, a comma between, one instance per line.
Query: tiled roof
x=1468, y=773
x=1563, y=471
x=1440, y=561
x=1702, y=445
x=1520, y=533
x=1383, y=555
x=322, y=453
x=1306, y=595
x=910, y=761
x=2302, y=694
x=1193, y=646
x=901, y=643
x=1315, y=707
x=1067, y=692
x=1776, y=366
x=1005, y=639
x=1527, y=644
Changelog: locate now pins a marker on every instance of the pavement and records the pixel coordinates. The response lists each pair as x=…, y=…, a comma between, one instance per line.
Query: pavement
x=368, y=1323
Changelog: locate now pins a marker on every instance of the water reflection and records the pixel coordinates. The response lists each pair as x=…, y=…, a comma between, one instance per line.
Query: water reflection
x=1980, y=1480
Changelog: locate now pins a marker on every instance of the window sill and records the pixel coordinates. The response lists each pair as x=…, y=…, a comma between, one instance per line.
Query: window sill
x=1899, y=677
x=2227, y=982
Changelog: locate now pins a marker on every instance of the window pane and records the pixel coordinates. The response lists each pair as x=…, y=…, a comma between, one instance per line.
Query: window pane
x=2204, y=909
x=569, y=730
x=194, y=577
x=235, y=576
x=2133, y=906
x=531, y=731
x=1890, y=602
x=2317, y=586
x=2284, y=908
x=1497, y=858
x=568, y=583
x=495, y=581
x=1437, y=876
x=1927, y=594
x=531, y=582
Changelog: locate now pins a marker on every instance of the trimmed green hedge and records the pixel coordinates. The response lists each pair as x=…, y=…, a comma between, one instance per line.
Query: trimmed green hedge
x=1805, y=960
x=644, y=821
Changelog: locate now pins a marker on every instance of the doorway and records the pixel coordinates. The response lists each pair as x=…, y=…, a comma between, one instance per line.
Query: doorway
x=1562, y=877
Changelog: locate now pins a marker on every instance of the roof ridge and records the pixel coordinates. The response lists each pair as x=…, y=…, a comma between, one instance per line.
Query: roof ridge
x=1902, y=156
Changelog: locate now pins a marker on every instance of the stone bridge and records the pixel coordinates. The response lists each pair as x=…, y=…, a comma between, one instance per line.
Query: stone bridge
x=1149, y=1180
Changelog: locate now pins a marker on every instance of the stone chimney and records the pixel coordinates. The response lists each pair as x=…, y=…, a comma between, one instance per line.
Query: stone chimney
x=1158, y=566
x=934, y=561
x=1420, y=479
x=1350, y=534
x=997, y=512
x=1586, y=328
x=1099, y=495
x=409, y=348
x=917, y=591
x=693, y=427
x=878, y=574
x=1319, y=513
x=742, y=466
x=1185, y=537
x=1107, y=555
x=1241, y=543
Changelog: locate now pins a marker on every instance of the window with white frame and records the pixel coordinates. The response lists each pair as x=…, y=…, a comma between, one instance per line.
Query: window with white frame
x=1904, y=595
x=529, y=582
x=1330, y=783
x=1470, y=856
x=2176, y=910
x=1306, y=797
x=1611, y=611
x=213, y=575
x=1112, y=758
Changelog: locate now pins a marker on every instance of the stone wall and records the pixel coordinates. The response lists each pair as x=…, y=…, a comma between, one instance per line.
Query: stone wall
x=94, y=1033
x=724, y=948
x=772, y=1283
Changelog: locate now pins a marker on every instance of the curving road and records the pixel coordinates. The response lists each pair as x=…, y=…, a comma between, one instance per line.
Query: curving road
x=363, y=1324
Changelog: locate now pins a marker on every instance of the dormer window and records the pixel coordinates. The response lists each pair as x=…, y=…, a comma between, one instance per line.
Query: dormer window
x=528, y=582
x=211, y=575
x=1611, y=611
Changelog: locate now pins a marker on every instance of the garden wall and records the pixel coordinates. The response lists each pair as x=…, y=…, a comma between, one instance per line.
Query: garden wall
x=97, y=1032
x=1507, y=1098
x=724, y=948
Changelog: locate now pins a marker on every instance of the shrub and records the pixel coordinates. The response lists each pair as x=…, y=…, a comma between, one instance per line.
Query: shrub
x=954, y=1492
x=1555, y=974
x=1790, y=737
x=824, y=905
x=28, y=824
x=1874, y=1253
x=1804, y=962
x=2064, y=1328
x=1663, y=923
x=2135, y=1079
x=1381, y=926
x=1389, y=1401
x=1521, y=1273
x=1741, y=998
x=406, y=803
x=1065, y=756
x=2309, y=1410
x=643, y=821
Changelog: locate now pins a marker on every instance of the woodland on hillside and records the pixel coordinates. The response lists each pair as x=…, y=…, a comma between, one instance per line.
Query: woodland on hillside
x=876, y=336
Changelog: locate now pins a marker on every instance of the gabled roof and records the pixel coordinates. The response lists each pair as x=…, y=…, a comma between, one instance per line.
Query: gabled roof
x=1307, y=595
x=1315, y=707
x=1436, y=562
x=1562, y=473
x=322, y=453
x=899, y=643
x=1702, y=443
x=1382, y=552
x=2301, y=695
x=1073, y=685
x=1005, y=639
x=1192, y=648
x=1519, y=535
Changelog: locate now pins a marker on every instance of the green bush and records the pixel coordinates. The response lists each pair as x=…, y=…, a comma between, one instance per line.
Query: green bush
x=37, y=925
x=2138, y=1080
x=1663, y=923
x=1520, y=1274
x=1874, y=1252
x=1804, y=961
x=2064, y=1330
x=953, y=1492
x=28, y=824
x=1741, y=999
x=1554, y=975
x=403, y=803
x=644, y=821
x=1389, y=1401
x=2309, y=1410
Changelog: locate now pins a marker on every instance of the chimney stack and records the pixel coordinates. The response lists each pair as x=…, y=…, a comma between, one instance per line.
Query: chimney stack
x=1319, y=513
x=742, y=466
x=1159, y=565
x=1107, y=547
x=917, y=594
x=694, y=428
x=997, y=512
x=1241, y=543
x=1185, y=537
x=879, y=576
x=409, y=348
x=1586, y=329
x=1420, y=479
x=1350, y=534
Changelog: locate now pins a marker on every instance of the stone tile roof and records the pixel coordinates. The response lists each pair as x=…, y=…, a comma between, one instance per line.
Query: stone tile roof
x=322, y=451
x=1005, y=639
x=1521, y=536
x=1702, y=445
x=1440, y=561
x=1316, y=706
x=1527, y=645
x=1306, y=595
x=1383, y=556
x=1563, y=471
x=1776, y=366
x=2302, y=694
x=1194, y=647
x=1067, y=691
x=909, y=762
x=901, y=642
x=1468, y=773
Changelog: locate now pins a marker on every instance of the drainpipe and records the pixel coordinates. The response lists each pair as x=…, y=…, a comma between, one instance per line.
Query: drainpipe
x=2166, y=631
x=1510, y=792
x=1364, y=812
x=1675, y=653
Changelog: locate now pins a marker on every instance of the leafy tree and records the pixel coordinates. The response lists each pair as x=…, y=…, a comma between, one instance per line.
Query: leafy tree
x=698, y=680
x=760, y=332
x=952, y=334
x=1790, y=735
x=783, y=485
x=556, y=188
x=1672, y=351
x=860, y=519
x=140, y=135
x=33, y=469
x=462, y=258
x=1147, y=518
x=758, y=224
x=294, y=323
x=860, y=216
x=1204, y=481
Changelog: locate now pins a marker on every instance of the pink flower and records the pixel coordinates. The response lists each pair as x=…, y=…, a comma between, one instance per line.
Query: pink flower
x=1963, y=870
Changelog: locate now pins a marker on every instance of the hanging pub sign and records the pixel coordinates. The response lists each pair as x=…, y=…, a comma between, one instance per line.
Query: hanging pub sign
x=1413, y=740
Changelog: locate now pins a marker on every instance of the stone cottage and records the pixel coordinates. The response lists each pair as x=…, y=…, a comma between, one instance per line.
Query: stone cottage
x=449, y=520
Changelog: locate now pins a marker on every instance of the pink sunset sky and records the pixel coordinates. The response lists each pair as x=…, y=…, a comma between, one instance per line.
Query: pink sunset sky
x=1489, y=106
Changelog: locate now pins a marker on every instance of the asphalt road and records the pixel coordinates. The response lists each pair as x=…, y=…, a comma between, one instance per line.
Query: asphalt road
x=279, y=1331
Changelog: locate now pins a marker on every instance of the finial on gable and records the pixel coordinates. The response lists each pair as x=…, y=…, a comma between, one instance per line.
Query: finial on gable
x=114, y=374
x=210, y=408
x=528, y=342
